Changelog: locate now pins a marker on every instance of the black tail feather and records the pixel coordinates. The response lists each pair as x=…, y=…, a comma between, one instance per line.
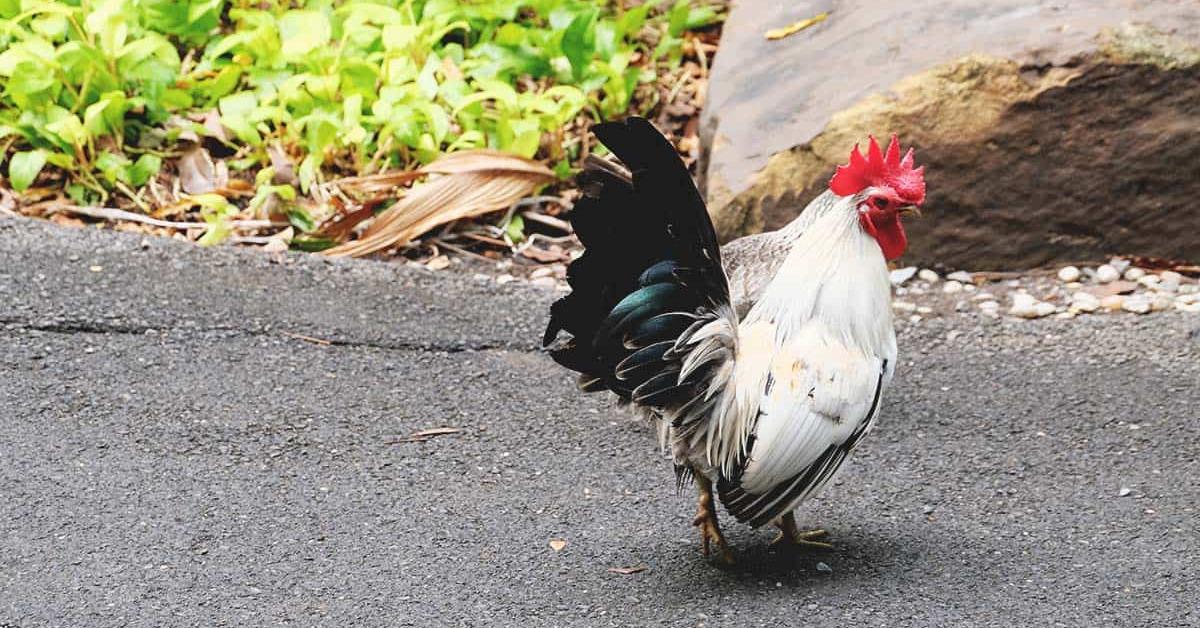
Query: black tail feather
x=651, y=262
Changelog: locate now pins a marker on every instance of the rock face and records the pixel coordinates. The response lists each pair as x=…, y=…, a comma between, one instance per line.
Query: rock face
x=1050, y=130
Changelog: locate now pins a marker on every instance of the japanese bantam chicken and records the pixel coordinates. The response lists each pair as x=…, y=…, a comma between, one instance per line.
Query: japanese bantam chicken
x=763, y=374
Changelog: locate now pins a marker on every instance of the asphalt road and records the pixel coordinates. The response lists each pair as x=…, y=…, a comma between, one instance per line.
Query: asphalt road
x=172, y=454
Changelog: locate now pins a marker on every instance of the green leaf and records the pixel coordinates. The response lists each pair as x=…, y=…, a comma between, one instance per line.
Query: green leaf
x=215, y=211
x=579, y=42
x=114, y=167
x=24, y=167
x=144, y=168
x=515, y=229
x=678, y=17
x=235, y=114
x=69, y=129
x=303, y=32
x=301, y=220
x=311, y=245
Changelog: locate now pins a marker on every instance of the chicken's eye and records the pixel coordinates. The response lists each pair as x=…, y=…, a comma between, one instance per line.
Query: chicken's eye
x=879, y=202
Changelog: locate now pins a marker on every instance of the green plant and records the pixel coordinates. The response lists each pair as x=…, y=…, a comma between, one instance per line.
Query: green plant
x=105, y=90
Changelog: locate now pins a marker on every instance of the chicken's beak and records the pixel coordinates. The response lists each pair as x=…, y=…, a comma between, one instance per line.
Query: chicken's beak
x=909, y=210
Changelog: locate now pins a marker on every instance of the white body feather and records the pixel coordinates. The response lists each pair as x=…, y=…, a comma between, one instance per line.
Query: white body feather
x=812, y=358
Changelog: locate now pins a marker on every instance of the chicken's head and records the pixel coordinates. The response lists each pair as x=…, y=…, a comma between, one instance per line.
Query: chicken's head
x=884, y=188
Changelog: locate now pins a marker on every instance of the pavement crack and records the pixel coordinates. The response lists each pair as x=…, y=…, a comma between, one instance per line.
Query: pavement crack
x=105, y=328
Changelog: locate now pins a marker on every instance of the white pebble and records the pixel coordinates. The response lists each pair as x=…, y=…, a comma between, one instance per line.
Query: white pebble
x=1069, y=273
x=1188, y=307
x=1066, y=315
x=928, y=275
x=984, y=296
x=1106, y=274
x=1138, y=304
x=901, y=275
x=961, y=276
x=1025, y=306
x=952, y=286
x=1074, y=285
x=1188, y=298
x=506, y=278
x=1119, y=264
x=1134, y=273
x=1189, y=288
x=1084, y=302
x=1170, y=276
x=989, y=306
x=1112, y=302
x=904, y=306
x=924, y=310
x=1043, y=308
x=1161, y=302
x=914, y=318
x=1149, y=280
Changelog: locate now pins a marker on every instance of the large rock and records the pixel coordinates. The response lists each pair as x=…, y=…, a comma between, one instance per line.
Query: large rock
x=1050, y=130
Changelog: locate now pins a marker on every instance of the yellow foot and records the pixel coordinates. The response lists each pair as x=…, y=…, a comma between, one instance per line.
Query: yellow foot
x=710, y=534
x=792, y=535
x=804, y=538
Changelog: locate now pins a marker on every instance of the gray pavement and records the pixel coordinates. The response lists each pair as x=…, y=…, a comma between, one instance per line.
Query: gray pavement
x=172, y=454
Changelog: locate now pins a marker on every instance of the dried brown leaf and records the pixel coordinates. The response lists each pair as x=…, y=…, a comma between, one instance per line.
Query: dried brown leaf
x=197, y=172
x=625, y=571
x=470, y=183
x=553, y=254
x=285, y=171
x=557, y=544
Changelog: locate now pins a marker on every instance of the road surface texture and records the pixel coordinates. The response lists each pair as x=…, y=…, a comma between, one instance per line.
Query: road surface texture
x=173, y=453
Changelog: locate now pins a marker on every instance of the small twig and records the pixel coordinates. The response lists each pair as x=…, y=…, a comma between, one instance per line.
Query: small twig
x=549, y=221
x=109, y=213
x=482, y=238
x=316, y=341
x=541, y=237
x=462, y=251
x=133, y=196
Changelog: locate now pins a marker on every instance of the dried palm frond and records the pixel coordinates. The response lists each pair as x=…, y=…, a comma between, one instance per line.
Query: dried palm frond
x=464, y=184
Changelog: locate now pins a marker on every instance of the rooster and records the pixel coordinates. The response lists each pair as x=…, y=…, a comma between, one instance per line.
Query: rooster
x=759, y=391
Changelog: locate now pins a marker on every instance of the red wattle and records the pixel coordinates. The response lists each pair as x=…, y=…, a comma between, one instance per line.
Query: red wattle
x=885, y=227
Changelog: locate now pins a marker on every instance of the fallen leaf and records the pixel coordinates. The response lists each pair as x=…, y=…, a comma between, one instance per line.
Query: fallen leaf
x=438, y=263
x=65, y=220
x=424, y=435
x=211, y=120
x=198, y=174
x=557, y=544
x=285, y=171
x=470, y=183
x=780, y=33
x=553, y=254
x=625, y=571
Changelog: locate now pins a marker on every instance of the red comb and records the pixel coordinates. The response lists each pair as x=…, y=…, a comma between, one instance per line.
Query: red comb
x=879, y=170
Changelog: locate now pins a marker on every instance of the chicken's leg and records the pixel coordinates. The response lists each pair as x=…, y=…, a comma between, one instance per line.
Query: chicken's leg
x=706, y=520
x=790, y=533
